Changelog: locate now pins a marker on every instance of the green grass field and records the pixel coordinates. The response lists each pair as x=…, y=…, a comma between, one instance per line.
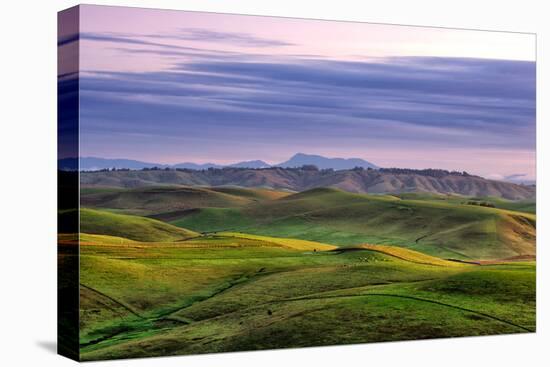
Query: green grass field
x=526, y=206
x=279, y=270
x=131, y=227
x=441, y=228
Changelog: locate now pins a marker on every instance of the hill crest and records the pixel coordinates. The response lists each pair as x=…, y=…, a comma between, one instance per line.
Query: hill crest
x=299, y=179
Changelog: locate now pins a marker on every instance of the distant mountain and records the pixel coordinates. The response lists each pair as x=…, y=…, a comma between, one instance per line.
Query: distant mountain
x=95, y=164
x=251, y=164
x=298, y=160
x=301, y=159
x=389, y=181
x=520, y=179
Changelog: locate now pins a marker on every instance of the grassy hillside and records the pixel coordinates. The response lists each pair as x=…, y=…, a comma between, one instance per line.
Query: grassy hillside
x=291, y=243
x=228, y=269
x=526, y=206
x=231, y=292
x=436, y=227
x=361, y=181
x=406, y=254
x=153, y=200
x=130, y=226
x=257, y=194
x=211, y=219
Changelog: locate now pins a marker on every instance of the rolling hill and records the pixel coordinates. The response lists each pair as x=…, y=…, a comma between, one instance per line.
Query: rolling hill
x=131, y=227
x=218, y=293
x=164, y=199
x=355, y=180
x=277, y=269
x=290, y=243
x=443, y=229
x=406, y=254
x=439, y=225
x=526, y=205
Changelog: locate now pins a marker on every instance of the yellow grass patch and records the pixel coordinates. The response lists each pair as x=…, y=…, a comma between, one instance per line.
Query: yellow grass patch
x=409, y=255
x=291, y=243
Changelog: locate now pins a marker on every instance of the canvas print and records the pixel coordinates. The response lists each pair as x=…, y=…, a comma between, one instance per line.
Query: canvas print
x=235, y=183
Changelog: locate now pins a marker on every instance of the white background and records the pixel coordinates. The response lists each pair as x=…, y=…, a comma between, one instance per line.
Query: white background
x=28, y=179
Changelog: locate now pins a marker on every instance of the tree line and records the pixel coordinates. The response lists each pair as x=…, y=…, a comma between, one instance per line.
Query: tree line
x=431, y=172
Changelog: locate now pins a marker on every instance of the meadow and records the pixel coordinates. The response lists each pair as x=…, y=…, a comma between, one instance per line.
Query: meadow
x=184, y=270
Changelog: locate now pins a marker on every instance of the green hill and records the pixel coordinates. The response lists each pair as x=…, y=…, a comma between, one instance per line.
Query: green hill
x=406, y=254
x=217, y=293
x=257, y=194
x=209, y=219
x=526, y=206
x=229, y=219
x=436, y=227
x=175, y=199
x=291, y=243
x=283, y=270
x=130, y=226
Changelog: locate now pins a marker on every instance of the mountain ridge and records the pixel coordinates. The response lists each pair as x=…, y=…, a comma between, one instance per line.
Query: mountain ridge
x=297, y=160
x=302, y=159
x=385, y=181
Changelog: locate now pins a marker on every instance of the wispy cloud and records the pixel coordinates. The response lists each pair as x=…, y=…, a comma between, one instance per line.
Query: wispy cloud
x=206, y=35
x=428, y=103
x=152, y=40
x=131, y=39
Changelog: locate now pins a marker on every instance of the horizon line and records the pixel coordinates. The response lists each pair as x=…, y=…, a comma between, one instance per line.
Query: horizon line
x=213, y=162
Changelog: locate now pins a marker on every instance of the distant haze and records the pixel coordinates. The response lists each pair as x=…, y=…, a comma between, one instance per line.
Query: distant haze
x=297, y=160
x=175, y=87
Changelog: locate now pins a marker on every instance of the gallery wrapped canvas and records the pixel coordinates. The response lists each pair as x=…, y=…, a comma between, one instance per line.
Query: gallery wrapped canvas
x=235, y=183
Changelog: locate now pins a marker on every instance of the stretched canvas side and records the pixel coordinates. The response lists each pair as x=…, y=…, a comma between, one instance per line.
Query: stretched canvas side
x=68, y=185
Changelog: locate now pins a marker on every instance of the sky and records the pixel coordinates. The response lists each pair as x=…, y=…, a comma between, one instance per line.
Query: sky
x=172, y=86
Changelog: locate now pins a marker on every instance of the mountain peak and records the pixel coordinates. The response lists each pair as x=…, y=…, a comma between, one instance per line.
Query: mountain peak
x=251, y=164
x=301, y=159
